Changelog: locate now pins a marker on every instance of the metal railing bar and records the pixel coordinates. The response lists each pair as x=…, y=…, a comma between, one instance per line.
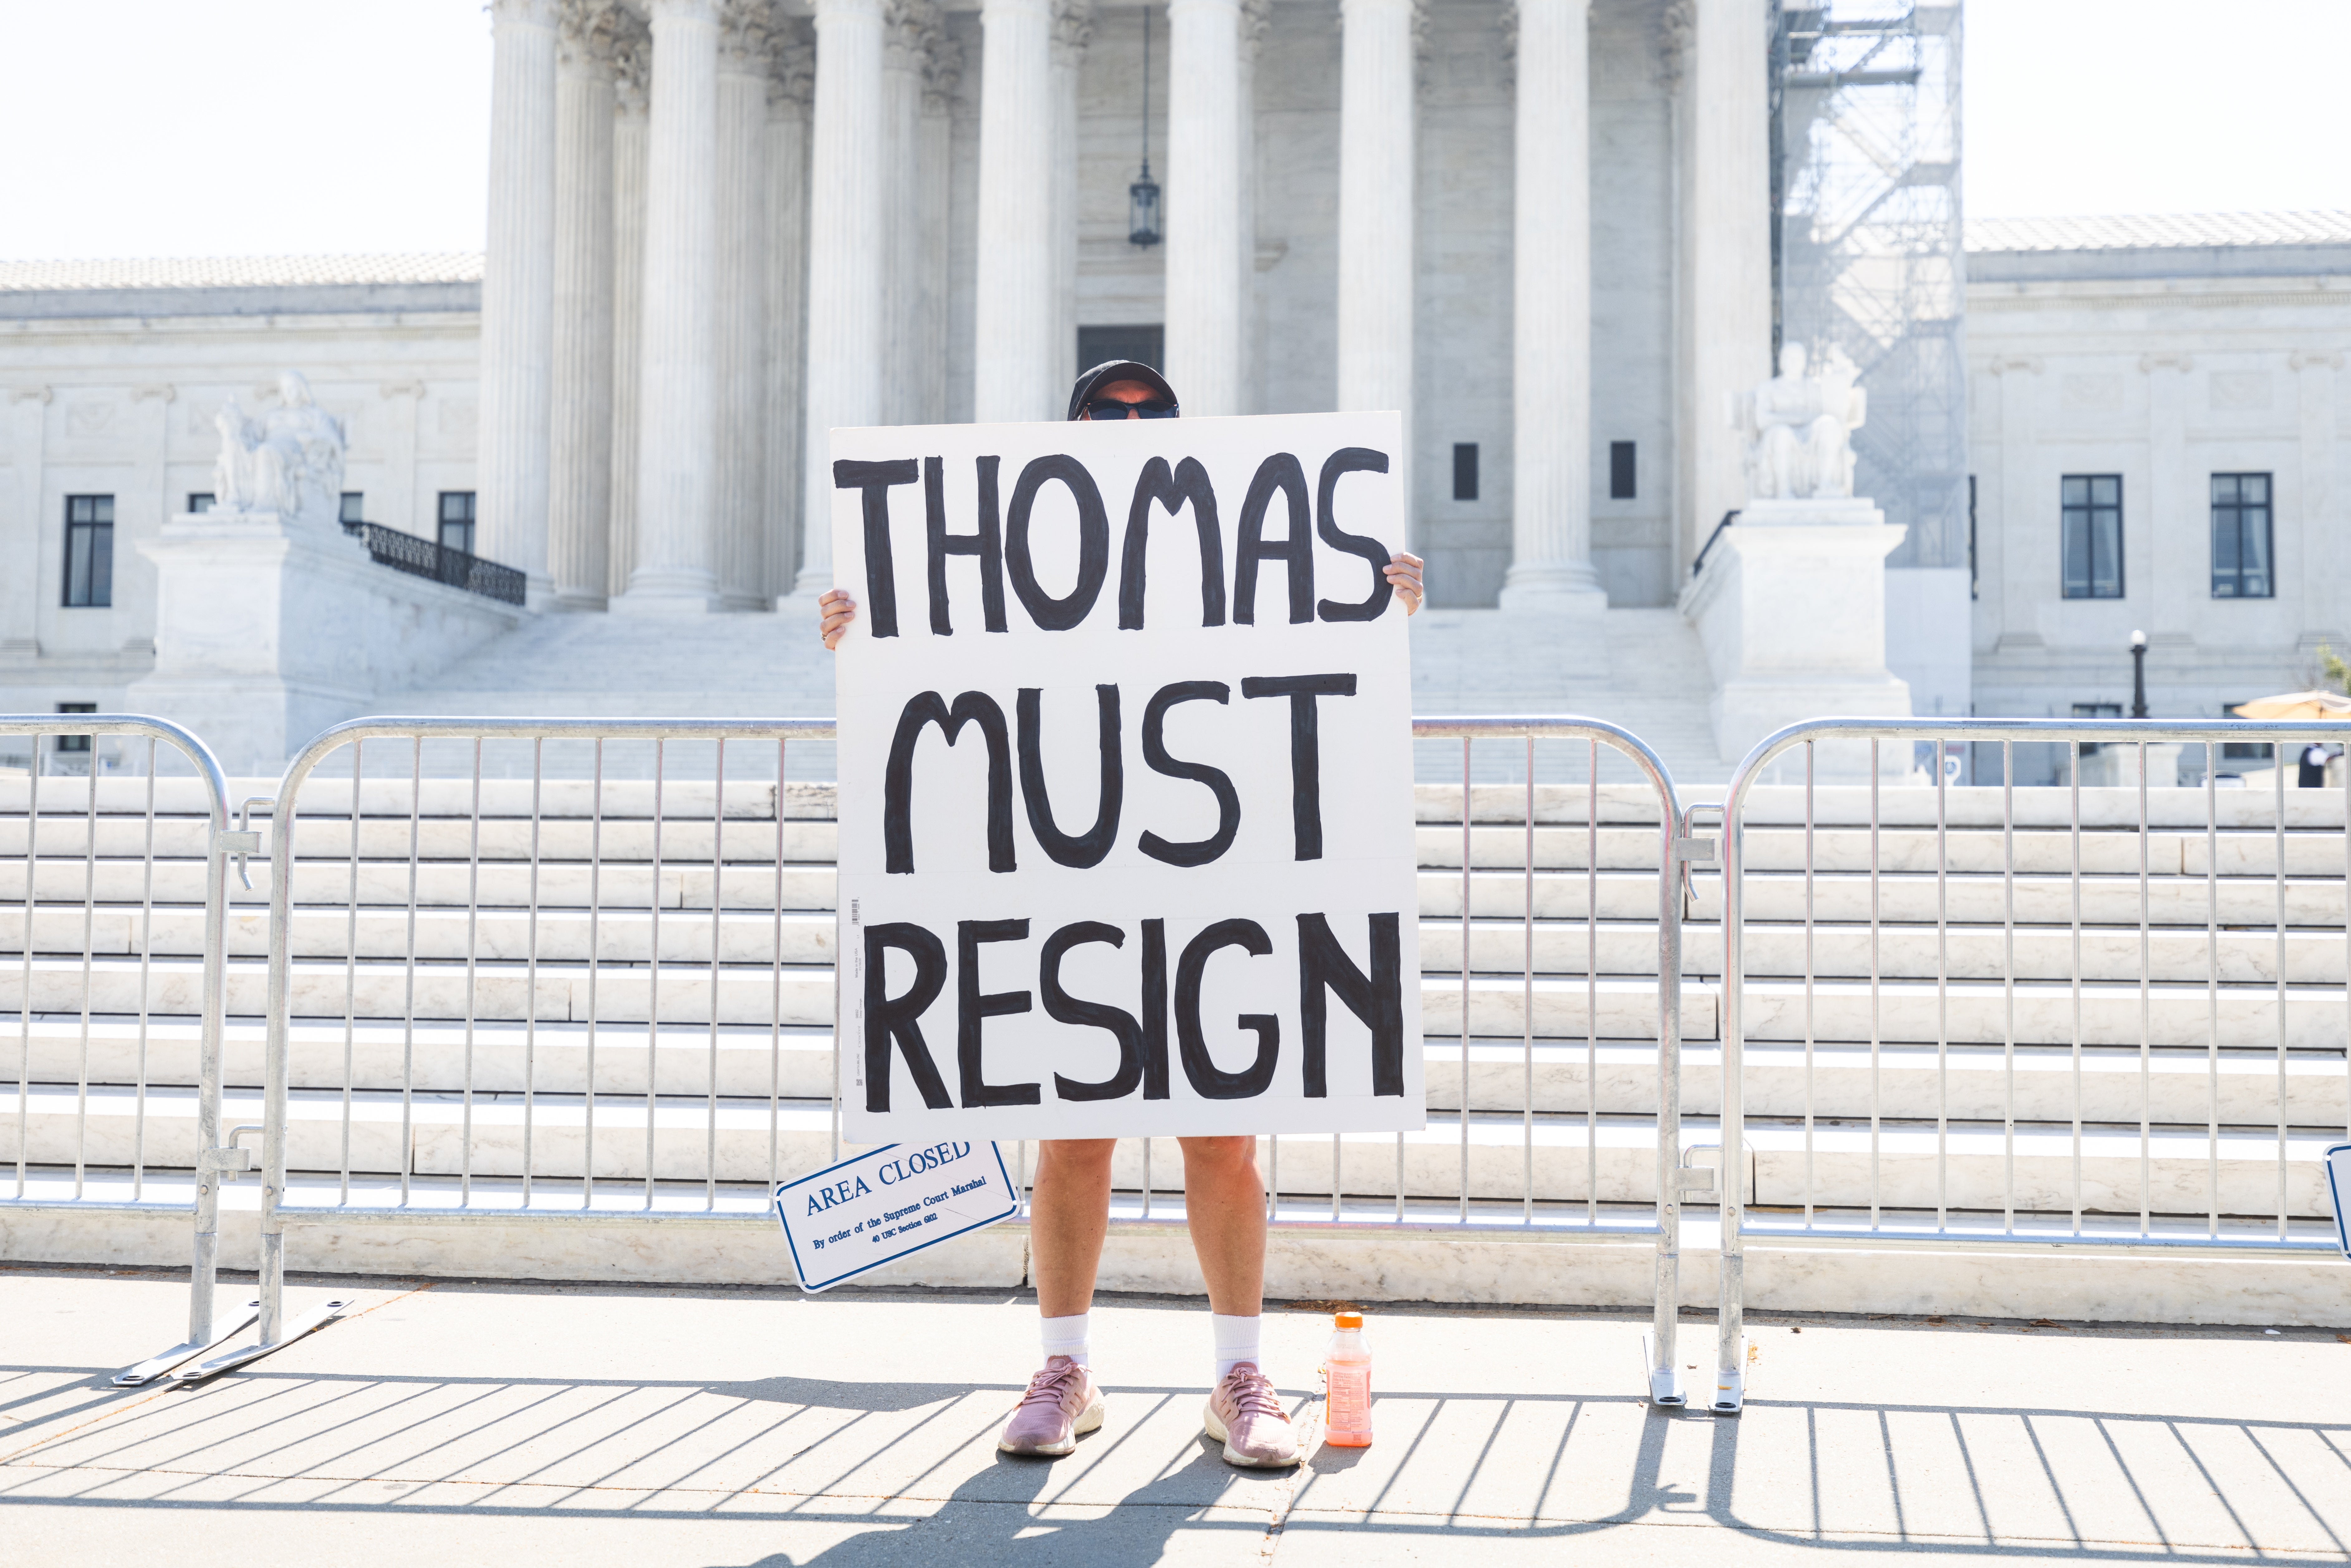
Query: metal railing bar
x=1877, y=1003
x=595, y=944
x=776, y=994
x=2212, y=979
x=88, y=979
x=530, y=979
x=653, y=974
x=25, y=981
x=146, y=958
x=2146, y=1014
x=1811, y=864
x=2277, y=773
x=408, y=1024
x=351, y=945
x=1592, y=931
x=1942, y=991
x=1591, y=979
x=473, y=949
x=1465, y=979
x=2074, y=821
x=717, y=909
x=2008, y=977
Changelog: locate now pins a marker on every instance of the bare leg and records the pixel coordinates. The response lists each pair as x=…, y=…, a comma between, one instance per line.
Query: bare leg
x=1224, y=1206
x=1069, y=1212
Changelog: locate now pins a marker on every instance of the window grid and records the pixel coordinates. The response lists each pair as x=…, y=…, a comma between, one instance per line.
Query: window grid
x=2091, y=539
x=457, y=520
x=352, y=509
x=1621, y=471
x=2241, y=537
x=1465, y=470
x=89, y=552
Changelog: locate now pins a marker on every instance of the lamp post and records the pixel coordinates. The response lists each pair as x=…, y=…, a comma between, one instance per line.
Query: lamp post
x=1142, y=195
x=2138, y=674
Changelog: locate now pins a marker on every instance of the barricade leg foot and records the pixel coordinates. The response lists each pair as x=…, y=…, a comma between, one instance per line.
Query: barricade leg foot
x=1729, y=1390
x=310, y=1323
x=155, y=1366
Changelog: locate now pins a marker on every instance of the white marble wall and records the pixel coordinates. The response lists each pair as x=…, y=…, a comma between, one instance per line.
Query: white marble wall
x=2166, y=381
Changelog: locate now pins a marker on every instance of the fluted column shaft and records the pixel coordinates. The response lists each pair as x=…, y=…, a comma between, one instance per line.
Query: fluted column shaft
x=1551, y=435
x=677, y=565
x=1375, y=214
x=518, y=291
x=845, y=234
x=1013, y=321
x=794, y=69
x=581, y=482
x=742, y=303
x=1725, y=326
x=1073, y=33
x=628, y=150
x=1203, y=223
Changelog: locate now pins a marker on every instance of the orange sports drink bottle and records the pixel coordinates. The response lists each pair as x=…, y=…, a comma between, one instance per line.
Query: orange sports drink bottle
x=1347, y=1385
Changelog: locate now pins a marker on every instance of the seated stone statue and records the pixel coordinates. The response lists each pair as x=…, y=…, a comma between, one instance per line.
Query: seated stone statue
x=288, y=461
x=1799, y=429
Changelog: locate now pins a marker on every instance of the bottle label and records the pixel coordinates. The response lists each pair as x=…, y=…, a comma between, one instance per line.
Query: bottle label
x=1350, y=1407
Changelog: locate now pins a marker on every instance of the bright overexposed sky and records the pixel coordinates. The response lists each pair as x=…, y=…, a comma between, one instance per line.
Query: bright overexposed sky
x=153, y=128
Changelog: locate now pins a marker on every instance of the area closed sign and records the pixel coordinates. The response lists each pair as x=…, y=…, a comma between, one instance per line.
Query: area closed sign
x=1126, y=817
x=888, y=1202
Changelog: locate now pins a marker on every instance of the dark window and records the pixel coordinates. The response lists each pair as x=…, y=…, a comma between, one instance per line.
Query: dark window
x=1620, y=471
x=200, y=501
x=2097, y=710
x=2240, y=537
x=1465, y=470
x=457, y=520
x=351, y=509
x=2242, y=750
x=75, y=742
x=89, y=551
x=1145, y=344
x=2092, y=543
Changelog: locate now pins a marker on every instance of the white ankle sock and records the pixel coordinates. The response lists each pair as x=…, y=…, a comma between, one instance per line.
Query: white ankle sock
x=1236, y=1341
x=1066, y=1336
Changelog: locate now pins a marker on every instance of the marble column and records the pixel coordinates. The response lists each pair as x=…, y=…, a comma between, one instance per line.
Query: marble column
x=1375, y=216
x=632, y=79
x=1551, y=429
x=578, y=520
x=1257, y=16
x=791, y=80
x=519, y=292
x=845, y=233
x=1013, y=360
x=677, y=450
x=934, y=177
x=742, y=303
x=21, y=530
x=1203, y=211
x=1723, y=325
x=1073, y=31
x=906, y=27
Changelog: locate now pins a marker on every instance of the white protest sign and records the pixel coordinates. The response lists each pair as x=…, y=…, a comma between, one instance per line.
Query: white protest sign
x=1127, y=816
x=888, y=1202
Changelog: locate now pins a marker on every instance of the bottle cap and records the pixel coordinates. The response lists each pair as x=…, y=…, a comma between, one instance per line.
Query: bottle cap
x=1351, y=1319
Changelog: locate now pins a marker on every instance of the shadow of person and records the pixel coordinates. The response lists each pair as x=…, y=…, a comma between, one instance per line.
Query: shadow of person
x=992, y=1513
x=825, y=1394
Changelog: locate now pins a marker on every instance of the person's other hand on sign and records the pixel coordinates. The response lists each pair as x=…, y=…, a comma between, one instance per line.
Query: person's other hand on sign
x=1097, y=397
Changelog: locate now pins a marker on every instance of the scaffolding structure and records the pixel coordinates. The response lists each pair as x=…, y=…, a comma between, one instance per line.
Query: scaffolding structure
x=1866, y=255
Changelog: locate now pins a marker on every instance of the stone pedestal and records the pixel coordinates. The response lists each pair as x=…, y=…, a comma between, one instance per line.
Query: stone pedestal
x=269, y=629
x=1791, y=605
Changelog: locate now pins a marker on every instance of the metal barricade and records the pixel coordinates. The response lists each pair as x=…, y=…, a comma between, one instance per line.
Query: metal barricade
x=117, y=1098
x=557, y=970
x=2069, y=1000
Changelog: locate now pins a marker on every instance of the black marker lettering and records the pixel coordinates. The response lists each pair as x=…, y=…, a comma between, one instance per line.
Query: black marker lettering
x=875, y=479
x=1279, y=471
x=987, y=543
x=1351, y=460
x=898, y=778
x=1086, y=849
x=973, y=1010
x=1063, y=1008
x=889, y=1017
x=1052, y=615
x=1155, y=752
x=1190, y=482
x=1376, y=999
x=1305, y=749
x=1210, y=1080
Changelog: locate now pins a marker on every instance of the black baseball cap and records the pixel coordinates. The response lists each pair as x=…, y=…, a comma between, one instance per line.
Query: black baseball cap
x=1111, y=370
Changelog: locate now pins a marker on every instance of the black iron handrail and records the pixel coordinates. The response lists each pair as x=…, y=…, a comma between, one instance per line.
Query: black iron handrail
x=426, y=559
x=1728, y=519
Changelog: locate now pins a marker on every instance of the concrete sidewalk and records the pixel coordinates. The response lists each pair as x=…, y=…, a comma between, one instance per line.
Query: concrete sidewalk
x=449, y=1423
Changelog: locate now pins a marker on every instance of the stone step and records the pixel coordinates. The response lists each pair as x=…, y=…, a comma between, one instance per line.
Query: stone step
x=796, y=1061
x=1557, y=1159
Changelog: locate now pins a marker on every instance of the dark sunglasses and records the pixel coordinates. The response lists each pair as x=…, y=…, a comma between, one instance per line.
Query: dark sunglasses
x=1112, y=408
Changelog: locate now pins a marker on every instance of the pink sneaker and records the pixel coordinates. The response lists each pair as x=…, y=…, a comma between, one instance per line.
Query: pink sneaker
x=1246, y=1415
x=1061, y=1404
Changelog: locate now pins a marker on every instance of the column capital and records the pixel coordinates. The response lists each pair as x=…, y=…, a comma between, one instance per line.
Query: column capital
x=909, y=29
x=747, y=28
x=791, y=64
x=1257, y=16
x=1676, y=23
x=1073, y=26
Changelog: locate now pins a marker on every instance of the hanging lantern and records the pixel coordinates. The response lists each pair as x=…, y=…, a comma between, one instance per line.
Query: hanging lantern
x=1143, y=209
x=1143, y=196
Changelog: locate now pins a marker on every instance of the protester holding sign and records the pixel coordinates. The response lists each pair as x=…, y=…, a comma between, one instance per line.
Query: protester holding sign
x=1241, y=689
